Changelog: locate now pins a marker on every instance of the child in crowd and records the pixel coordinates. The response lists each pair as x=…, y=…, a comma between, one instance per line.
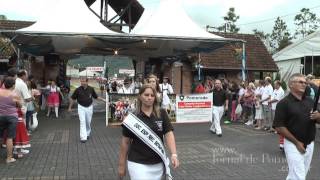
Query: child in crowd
x=258, y=116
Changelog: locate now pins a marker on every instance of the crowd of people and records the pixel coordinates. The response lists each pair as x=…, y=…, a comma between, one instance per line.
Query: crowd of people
x=263, y=104
x=20, y=100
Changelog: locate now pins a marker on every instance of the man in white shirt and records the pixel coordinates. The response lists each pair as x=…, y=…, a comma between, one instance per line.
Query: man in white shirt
x=126, y=88
x=22, y=89
x=277, y=95
x=165, y=89
x=266, y=109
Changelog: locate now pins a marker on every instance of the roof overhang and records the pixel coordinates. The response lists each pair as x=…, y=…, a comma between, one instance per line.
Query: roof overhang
x=42, y=43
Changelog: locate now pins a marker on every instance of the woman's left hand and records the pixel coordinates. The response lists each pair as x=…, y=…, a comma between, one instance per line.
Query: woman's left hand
x=175, y=162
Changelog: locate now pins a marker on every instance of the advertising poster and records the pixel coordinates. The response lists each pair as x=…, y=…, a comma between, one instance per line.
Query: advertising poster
x=194, y=108
x=118, y=106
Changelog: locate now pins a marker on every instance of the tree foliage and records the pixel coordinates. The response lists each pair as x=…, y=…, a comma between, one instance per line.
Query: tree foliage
x=306, y=22
x=280, y=36
x=265, y=38
x=5, y=48
x=3, y=17
x=230, y=20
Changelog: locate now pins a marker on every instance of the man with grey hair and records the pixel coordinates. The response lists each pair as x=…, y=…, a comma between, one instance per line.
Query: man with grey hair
x=295, y=120
x=220, y=104
x=84, y=96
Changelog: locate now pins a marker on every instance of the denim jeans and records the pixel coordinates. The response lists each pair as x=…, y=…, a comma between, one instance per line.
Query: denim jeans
x=28, y=119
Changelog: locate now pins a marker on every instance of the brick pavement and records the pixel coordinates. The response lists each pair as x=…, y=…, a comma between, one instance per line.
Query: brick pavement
x=242, y=153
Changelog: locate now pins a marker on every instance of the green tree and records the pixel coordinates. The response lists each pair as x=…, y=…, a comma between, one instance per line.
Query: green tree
x=280, y=36
x=265, y=38
x=230, y=20
x=306, y=22
x=3, y=17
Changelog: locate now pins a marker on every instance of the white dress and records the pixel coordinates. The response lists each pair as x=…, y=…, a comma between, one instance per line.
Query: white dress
x=258, y=112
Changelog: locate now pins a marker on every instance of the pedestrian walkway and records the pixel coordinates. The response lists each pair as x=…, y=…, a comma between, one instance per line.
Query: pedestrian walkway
x=242, y=153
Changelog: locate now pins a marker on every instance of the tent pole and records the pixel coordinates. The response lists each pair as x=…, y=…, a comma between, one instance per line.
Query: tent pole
x=18, y=59
x=243, y=62
x=312, y=65
x=304, y=65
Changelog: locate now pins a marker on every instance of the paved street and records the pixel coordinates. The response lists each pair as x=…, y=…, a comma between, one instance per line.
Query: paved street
x=242, y=153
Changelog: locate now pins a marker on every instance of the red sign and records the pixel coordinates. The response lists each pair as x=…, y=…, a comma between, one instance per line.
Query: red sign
x=205, y=104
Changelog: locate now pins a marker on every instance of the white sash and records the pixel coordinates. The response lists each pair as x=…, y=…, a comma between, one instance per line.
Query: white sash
x=149, y=137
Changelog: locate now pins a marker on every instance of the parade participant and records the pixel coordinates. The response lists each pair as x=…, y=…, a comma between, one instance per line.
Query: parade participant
x=220, y=104
x=83, y=95
x=8, y=114
x=53, y=99
x=277, y=95
x=126, y=88
x=138, y=83
x=248, y=103
x=165, y=89
x=258, y=116
x=266, y=108
x=294, y=121
x=22, y=139
x=153, y=81
x=144, y=162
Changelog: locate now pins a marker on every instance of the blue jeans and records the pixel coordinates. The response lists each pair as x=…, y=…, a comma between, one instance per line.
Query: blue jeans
x=28, y=119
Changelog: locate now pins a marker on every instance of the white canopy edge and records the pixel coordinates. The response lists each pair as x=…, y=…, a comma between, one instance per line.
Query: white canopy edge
x=308, y=46
x=170, y=19
x=68, y=17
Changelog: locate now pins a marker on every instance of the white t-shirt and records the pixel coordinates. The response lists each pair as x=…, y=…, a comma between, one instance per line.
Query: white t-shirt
x=166, y=88
x=241, y=92
x=22, y=89
x=53, y=89
x=124, y=90
x=266, y=92
x=258, y=90
x=277, y=94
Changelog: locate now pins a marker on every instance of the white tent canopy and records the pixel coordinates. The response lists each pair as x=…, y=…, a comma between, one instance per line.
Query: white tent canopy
x=71, y=28
x=68, y=17
x=170, y=19
x=308, y=46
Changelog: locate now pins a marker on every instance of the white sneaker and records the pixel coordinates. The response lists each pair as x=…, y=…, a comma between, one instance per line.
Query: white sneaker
x=25, y=151
x=249, y=123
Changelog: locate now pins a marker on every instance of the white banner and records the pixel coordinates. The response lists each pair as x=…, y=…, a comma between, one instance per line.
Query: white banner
x=194, y=108
x=98, y=69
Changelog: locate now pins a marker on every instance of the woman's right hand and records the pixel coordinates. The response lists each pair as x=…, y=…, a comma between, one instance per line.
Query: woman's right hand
x=121, y=171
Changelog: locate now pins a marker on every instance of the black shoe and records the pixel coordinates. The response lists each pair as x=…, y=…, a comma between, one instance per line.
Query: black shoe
x=88, y=137
x=83, y=141
x=213, y=132
x=219, y=135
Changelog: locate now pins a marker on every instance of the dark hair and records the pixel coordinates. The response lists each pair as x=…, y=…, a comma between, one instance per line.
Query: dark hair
x=84, y=78
x=9, y=82
x=12, y=72
x=21, y=73
x=30, y=77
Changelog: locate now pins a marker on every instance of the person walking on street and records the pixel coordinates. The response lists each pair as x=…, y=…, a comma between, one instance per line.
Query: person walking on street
x=53, y=99
x=144, y=162
x=220, y=104
x=83, y=95
x=266, y=107
x=295, y=120
x=9, y=101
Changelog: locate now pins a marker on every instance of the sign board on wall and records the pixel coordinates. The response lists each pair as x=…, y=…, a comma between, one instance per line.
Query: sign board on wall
x=98, y=69
x=126, y=71
x=194, y=108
